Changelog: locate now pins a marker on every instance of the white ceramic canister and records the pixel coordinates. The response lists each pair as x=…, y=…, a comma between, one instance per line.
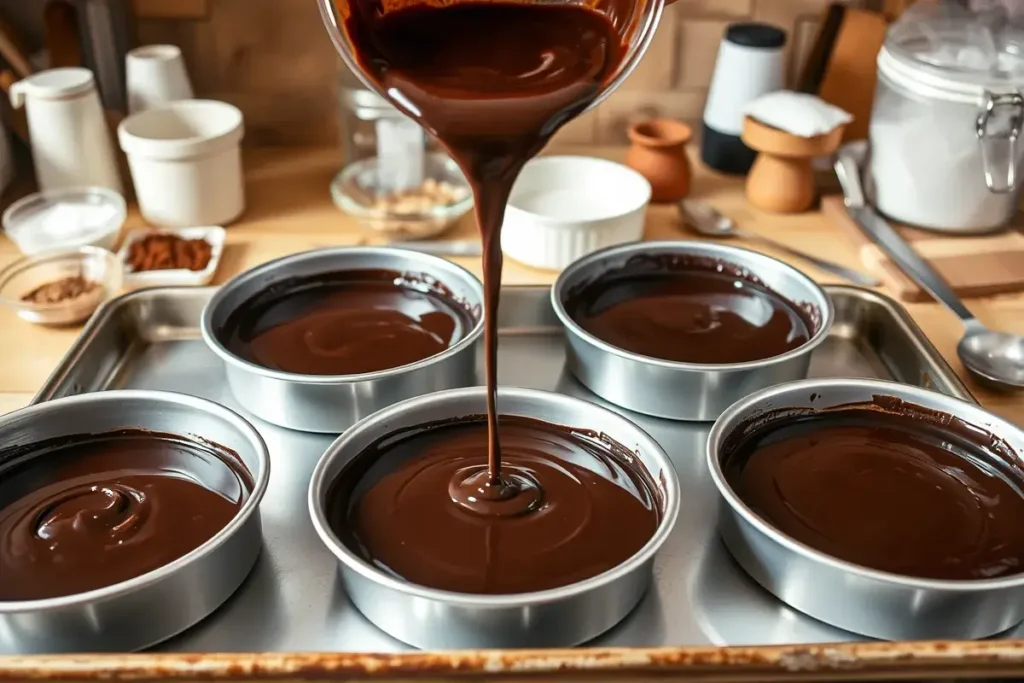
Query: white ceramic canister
x=945, y=129
x=186, y=162
x=71, y=144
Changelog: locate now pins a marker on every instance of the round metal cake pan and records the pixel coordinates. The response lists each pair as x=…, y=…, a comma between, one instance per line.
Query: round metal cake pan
x=434, y=619
x=154, y=606
x=332, y=403
x=684, y=391
x=862, y=600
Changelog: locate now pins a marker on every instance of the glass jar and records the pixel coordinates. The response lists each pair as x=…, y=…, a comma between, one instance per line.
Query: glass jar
x=361, y=112
x=946, y=152
x=395, y=179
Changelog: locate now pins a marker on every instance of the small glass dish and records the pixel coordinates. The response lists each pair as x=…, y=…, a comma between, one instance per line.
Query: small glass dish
x=66, y=219
x=443, y=198
x=30, y=273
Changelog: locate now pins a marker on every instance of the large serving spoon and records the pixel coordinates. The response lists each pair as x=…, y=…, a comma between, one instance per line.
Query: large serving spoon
x=996, y=359
x=707, y=221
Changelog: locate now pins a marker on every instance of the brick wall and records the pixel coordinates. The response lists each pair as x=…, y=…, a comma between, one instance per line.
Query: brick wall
x=274, y=60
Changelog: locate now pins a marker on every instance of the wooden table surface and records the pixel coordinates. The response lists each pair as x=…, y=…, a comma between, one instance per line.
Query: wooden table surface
x=290, y=210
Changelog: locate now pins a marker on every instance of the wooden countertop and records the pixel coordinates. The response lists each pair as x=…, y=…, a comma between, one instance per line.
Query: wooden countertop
x=290, y=210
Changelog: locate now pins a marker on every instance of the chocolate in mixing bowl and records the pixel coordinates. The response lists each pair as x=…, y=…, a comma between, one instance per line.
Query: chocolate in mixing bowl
x=688, y=310
x=347, y=323
x=913, y=493
x=493, y=81
x=590, y=505
x=84, y=512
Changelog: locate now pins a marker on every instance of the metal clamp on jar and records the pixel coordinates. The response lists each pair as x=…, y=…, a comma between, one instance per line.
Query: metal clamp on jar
x=947, y=119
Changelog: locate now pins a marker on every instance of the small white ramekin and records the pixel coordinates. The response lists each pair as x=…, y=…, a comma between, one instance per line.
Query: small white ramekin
x=186, y=162
x=565, y=207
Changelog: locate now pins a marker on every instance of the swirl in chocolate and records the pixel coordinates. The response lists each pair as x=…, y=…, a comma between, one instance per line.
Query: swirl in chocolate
x=899, y=493
x=696, y=311
x=84, y=512
x=347, y=323
x=583, y=505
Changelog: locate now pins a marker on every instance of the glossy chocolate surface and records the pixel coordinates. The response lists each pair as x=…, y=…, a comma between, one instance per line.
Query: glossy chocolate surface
x=493, y=81
x=90, y=511
x=688, y=311
x=916, y=494
x=347, y=323
x=583, y=506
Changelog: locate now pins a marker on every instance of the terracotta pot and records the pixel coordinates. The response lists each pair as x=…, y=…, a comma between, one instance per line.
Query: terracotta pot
x=658, y=153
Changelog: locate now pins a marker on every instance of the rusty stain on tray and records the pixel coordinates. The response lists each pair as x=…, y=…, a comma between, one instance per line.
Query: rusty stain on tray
x=866, y=661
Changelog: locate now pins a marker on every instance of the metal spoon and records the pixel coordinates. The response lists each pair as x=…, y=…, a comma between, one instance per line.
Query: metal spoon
x=996, y=359
x=707, y=221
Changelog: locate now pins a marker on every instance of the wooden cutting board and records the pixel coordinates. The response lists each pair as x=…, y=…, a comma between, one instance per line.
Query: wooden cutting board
x=973, y=266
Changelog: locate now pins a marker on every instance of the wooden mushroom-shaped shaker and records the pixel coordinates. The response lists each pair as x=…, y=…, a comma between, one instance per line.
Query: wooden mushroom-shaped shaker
x=782, y=178
x=658, y=153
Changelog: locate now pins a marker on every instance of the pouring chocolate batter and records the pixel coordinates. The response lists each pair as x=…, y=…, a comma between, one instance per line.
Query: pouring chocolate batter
x=493, y=81
x=85, y=512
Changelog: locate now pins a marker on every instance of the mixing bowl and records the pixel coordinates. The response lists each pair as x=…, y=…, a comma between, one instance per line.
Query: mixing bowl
x=635, y=22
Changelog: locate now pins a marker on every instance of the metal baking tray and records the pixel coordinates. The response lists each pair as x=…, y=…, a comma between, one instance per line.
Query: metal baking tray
x=699, y=602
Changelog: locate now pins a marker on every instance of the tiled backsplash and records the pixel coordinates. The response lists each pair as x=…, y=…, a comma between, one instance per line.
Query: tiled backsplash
x=274, y=60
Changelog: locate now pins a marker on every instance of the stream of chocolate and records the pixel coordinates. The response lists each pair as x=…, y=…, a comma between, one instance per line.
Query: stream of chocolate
x=89, y=511
x=899, y=493
x=492, y=81
x=347, y=323
x=597, y=507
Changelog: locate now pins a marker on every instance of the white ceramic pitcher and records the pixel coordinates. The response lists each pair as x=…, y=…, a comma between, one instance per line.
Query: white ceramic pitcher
x=71, y=145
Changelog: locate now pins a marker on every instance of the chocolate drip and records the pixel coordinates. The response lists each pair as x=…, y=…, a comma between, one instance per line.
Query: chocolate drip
x=897, y=492
x=597, y=507
x=688, y=311
x=85, y=512
x=347, y=323
x=492, y=81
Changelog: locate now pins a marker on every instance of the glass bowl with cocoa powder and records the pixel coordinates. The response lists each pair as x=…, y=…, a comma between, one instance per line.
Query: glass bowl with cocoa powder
x=60, y=287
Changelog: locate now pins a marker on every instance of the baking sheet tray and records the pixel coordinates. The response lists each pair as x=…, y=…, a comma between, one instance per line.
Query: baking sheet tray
x=293, y=603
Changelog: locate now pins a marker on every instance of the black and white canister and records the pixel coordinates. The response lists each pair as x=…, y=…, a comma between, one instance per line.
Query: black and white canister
x=749, y=65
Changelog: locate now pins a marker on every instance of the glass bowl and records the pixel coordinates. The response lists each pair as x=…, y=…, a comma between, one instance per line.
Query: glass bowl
x=29, y=274
x=65, y=219
x=443, y=198
x=636, y=22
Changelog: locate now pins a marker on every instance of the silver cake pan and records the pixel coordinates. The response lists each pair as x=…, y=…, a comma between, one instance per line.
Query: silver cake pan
x=434, y=619
x=684, y=391
x=866, y=601
x=332, y=403
x=143, y=611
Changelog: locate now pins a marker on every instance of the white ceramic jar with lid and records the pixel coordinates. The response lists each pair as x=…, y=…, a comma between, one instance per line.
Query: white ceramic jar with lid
x=947, y=119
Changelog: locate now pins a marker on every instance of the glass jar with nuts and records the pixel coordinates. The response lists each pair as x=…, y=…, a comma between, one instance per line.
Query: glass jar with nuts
x=396, y=180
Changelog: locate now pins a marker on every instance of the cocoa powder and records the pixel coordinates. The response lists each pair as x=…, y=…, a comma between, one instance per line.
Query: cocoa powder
x=60, y=290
